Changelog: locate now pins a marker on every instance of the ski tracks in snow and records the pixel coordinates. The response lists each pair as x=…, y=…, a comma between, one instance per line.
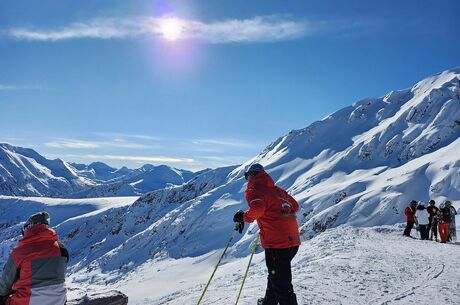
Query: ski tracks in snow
x=431, y=274
x=346, y=266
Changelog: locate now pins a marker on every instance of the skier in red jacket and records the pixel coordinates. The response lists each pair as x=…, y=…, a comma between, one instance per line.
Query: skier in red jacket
x=35, y=271
x=275, y=212
x=410, y=217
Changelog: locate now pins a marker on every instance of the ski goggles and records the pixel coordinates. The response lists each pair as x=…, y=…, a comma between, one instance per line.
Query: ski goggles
x=248, y=175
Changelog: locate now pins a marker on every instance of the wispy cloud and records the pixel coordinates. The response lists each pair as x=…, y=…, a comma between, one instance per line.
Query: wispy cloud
x=131, y=149
x=19, y=87
x=227, y=160
x=214, y=162
x=153, y=159
x=80, y=144
x=257, y=29
x=224, y=142
x=127, y=135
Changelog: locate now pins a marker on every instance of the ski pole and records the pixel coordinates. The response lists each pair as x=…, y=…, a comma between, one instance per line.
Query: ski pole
x=247, y=268
x=218, y=263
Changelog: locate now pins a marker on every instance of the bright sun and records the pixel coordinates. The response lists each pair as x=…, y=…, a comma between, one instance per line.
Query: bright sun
x=171, y=28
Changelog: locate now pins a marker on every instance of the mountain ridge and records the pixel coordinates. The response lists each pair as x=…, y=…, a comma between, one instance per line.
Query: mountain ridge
x=24, y=172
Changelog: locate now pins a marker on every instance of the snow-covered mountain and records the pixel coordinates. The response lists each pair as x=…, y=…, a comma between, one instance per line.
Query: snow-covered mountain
x=24, y=172
x=129, y=182
x=100, y=171
x=357, y=167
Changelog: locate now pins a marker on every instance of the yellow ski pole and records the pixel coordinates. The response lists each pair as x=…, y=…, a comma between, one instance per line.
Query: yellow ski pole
x=218, y=263
x=247, y=268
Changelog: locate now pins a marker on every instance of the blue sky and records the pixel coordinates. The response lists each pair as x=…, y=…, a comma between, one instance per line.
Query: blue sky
x=197, y=84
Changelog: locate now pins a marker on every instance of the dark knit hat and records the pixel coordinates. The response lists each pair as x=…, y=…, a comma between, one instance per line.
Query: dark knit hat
x=41, y=218
x=431, y=201
x=413, y=202
x=253, y=170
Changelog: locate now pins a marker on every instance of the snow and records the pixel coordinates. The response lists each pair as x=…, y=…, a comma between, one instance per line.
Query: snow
x=25, y=172
x=344, y=265
x=16, y=210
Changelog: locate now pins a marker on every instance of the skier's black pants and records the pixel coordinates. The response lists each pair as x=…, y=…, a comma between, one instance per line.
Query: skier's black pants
x=279, y=286
x=424, y=231
x=409, y=226
x=434, y=228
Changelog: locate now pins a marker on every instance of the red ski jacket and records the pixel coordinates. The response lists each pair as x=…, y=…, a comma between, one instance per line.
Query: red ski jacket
x=274, y=210
x=35, y=271
x=410, y=214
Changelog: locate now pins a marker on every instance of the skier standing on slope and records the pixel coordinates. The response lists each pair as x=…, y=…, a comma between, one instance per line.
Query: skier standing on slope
x=433, y=226
x=452, y=229
x=35, y=271
x=275, y=212
x=443, y=218
x=423, y=220
x=410, y=217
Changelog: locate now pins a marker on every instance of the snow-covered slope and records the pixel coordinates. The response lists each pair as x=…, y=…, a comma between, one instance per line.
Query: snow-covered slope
x=25, y=172
x=15, y=210
x=362, y=164
x=342, y=266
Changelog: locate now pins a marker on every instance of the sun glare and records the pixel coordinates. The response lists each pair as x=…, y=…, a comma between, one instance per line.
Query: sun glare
x=171, y=28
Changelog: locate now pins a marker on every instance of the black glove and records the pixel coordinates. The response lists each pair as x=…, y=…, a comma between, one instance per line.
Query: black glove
x=3, y=299
x=238, y=220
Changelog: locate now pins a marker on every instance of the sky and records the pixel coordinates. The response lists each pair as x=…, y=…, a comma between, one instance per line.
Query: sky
x=197, y=84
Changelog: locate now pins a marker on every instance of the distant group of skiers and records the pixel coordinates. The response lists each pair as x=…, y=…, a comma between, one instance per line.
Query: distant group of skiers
x=431, y=220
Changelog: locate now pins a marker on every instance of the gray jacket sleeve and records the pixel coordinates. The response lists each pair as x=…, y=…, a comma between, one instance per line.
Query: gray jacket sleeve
x=9, y=276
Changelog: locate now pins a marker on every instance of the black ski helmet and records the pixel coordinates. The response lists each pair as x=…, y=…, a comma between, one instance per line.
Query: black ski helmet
x=253, y=170
x=41, y=218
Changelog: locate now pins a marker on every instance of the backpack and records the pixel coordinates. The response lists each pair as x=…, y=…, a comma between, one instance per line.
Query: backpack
x=445, y=215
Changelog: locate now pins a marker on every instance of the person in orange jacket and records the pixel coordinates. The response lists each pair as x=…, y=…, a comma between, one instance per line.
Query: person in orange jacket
x=443, y=216
x=35, y=271
x=275, y=212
